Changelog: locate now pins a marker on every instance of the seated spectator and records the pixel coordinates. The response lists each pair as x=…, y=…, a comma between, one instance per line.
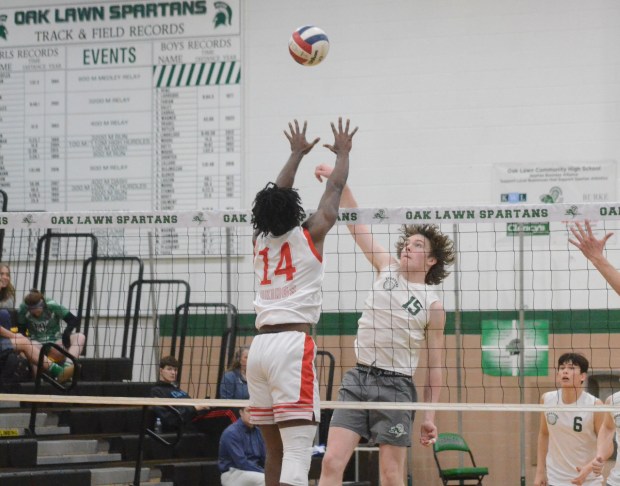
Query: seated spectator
x=242, y=454
x=38, y=323
x=192, y=418
x=7, y=291
x=7, y=304
x=39, y=318
x=234, y=384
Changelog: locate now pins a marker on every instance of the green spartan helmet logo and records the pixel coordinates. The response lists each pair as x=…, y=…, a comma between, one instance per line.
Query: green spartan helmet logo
x=223, y=15
x=3, y=31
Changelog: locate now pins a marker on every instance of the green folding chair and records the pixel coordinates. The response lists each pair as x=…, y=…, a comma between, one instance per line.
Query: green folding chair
x=471, y=475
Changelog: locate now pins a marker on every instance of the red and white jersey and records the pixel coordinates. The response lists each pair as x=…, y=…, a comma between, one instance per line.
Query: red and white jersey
x=289, y=274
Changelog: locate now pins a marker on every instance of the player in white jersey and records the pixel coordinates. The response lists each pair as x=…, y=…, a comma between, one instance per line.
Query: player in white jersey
x=567, y=439
x=288, y=264
x=402, y=315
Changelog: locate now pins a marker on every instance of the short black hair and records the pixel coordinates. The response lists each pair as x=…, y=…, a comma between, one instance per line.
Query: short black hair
x=277, y=210
x=169, y=361
x=576, y=359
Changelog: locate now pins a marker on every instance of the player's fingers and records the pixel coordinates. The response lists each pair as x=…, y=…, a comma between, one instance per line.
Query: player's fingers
x=353, y=132
x=333, y=129
x=287, y=136
x=346, y=127
x=315, y=141
x=573, y=242
x=330, y=147
x=588, y=227
x=340, y=124
x=581, y=230
x=574, y=232
x=607, y=236
x=303, y=131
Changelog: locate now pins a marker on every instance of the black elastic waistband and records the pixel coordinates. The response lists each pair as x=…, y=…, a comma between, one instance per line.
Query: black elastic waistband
x=378, y=371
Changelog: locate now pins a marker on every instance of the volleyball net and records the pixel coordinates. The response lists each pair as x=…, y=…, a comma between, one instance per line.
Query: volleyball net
x=150, y=284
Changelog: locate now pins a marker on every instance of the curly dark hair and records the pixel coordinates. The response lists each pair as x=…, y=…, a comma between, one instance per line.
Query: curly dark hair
x=442, y=248
x=277, y=210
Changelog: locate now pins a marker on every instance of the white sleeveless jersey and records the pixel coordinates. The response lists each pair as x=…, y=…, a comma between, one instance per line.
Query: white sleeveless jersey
x=614, y=474
x=289, y=274
x=572, y=440
x=392, y=328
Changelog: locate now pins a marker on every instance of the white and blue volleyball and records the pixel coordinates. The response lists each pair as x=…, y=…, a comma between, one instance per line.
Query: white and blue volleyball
x=309, y=45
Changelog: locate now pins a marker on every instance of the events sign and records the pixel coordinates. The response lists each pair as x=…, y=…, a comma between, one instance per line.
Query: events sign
x=133, y=105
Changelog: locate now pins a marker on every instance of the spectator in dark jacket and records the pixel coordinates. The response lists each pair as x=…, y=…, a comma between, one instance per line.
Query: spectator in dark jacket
x=199, y=418
x=242, y=454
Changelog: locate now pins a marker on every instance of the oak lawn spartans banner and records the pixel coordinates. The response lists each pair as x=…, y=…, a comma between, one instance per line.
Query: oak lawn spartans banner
x=519, y=214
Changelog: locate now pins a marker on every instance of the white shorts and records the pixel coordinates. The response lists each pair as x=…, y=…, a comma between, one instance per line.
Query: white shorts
x=282, y=379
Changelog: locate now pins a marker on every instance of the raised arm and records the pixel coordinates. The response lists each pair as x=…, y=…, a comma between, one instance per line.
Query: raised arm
x=434, y=370
x=299, y=147
x=592, y=248
x=376, y=254
x=327, y=212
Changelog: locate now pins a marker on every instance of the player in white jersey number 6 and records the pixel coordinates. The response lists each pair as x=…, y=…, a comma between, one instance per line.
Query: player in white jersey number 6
x=567, y=439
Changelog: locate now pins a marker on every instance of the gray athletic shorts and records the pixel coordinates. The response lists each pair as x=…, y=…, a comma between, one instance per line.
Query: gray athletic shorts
x=391, y=427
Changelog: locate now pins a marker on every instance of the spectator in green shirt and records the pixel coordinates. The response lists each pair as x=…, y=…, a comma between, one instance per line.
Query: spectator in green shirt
x=40, y=318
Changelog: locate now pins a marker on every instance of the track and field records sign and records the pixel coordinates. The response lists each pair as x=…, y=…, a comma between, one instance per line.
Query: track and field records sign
x=128, y=105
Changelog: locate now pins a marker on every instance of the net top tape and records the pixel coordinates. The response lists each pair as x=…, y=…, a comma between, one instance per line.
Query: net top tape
x=178, y=402
x=524, y=214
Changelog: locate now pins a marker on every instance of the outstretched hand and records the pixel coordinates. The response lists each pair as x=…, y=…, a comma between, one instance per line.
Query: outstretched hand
x=297, y=138
x=343, y=140
x=590, y=246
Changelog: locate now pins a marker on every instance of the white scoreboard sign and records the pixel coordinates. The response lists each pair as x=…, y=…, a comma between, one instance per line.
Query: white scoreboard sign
x=133, y=105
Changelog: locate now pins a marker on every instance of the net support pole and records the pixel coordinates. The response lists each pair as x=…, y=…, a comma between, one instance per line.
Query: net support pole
x=229, y=249
x=521, y=344
x=458, y=336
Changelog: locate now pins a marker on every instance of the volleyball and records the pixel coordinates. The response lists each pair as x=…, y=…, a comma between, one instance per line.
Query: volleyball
x=309, y=45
